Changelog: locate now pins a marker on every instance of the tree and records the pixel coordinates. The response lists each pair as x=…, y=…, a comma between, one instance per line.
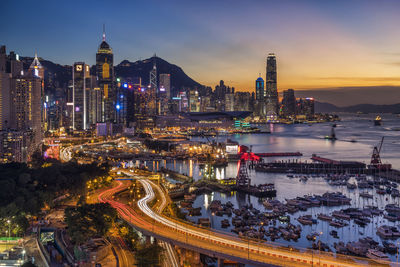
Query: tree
x=88, y=221
x=149, y=255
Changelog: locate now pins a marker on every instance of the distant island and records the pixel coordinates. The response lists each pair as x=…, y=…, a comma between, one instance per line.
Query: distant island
x=321, y=107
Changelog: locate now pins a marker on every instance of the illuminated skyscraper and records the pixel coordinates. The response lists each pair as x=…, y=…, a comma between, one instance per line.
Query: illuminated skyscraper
x=21, y=107
x=80, y=95
x=105, y=77
x=164, y=93
x=194, y=101
x=271, y=92
x=165, y=84
x=260, y=92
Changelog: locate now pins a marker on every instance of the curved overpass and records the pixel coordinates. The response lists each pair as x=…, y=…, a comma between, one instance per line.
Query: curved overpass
x=215, y=243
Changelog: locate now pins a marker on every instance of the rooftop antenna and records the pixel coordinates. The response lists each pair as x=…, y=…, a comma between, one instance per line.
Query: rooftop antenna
x=104, y=32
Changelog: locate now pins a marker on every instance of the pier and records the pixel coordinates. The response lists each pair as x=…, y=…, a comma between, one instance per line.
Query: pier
x=312, y=168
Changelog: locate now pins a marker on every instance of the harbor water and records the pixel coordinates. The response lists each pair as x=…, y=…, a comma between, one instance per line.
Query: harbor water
x=356, y=138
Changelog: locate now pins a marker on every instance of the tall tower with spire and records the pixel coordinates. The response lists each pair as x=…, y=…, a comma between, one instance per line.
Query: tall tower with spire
x=105, y=78
x=36, y=68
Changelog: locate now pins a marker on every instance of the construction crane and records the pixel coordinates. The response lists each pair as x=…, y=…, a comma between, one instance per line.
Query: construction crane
x=376, y=157
x=376, y=161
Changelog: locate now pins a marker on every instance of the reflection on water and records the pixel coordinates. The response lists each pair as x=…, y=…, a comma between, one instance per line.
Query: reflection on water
x=308, y=140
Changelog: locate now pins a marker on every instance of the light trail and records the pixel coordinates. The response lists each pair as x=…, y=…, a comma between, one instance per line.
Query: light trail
x=222, y=243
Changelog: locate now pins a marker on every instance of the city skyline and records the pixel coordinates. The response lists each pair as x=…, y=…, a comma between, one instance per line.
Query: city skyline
x=320, y=47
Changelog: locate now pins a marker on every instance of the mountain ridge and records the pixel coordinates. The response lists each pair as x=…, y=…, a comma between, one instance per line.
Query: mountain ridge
x=323, y=107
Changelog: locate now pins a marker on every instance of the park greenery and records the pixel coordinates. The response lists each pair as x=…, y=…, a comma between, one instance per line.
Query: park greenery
x=28, y=189
x=88, y=221
x=130, y=236
x=149, y=255
x=145, y=254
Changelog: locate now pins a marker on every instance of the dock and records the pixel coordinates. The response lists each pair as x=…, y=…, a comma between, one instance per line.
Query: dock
x=279, y=154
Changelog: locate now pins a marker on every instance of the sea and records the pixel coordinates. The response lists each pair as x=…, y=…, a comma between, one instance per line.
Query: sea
x=356, y=137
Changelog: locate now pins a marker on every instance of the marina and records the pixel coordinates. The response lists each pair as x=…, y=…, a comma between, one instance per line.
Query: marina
x=340, y=205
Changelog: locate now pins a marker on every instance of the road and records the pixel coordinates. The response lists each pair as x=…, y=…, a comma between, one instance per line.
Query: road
x=171, y=257
x=227, y=246
x=125, y=256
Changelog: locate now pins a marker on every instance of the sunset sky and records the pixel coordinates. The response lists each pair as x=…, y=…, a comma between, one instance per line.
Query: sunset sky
x=318, y=44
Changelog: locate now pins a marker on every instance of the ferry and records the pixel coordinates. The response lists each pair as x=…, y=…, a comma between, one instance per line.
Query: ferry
x=378, y=121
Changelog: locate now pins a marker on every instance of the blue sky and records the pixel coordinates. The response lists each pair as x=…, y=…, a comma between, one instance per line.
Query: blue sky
x=319, y=44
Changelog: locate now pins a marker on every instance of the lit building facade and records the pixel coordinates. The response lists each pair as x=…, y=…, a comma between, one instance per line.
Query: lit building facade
x=21, y=107
x=105, y=79
x=164, y=93
x=242, y=101
x=194, y=101
x=260, y=89
x=271, y=92
x=81, y=82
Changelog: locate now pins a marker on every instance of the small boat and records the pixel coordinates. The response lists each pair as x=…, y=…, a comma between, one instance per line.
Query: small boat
x=334, y=234
x=378, y=121
x=305, y=220
x=360, y=222
x=385, y=231
x=340, y=215
x=366, y=195
x=324, y=217
x=225, y=223
x=337, y=224
x=332, y=136
x=391, y=217
x=389, y=247
x=284, y=218
x=377, y=256
x=351, y=186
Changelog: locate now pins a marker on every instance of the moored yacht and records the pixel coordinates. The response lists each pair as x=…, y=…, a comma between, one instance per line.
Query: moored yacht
x=377, y=256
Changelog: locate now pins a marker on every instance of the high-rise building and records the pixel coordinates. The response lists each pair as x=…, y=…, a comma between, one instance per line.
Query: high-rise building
x=5, y=101
x=230, y=101
x=194, y=101
x=242, y=101
x=81, y=93
x=205, y=105
x=271, y=92
x=105, y=78
x=21, y=106
x=36, y=69
x=260, y=91
x=289, y=102
x=95, y=102
x=305, y=106
x=164, y=93
x=165, y=84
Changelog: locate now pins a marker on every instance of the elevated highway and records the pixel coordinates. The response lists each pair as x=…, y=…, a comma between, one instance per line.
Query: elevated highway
x=216, y=244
